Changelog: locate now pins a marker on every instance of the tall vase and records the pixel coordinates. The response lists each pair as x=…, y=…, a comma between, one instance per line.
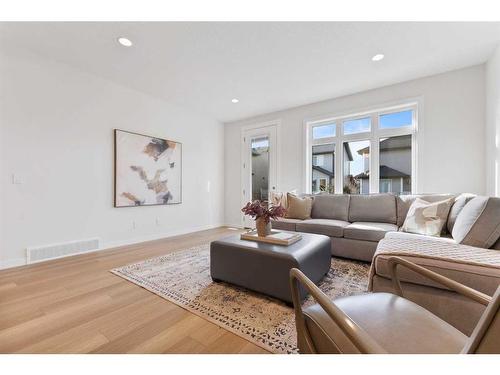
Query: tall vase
x=263, y=228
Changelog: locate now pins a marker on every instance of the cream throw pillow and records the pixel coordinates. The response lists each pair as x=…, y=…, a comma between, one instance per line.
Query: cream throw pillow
x=298, y=208
x=427, y=218
x=280, y=198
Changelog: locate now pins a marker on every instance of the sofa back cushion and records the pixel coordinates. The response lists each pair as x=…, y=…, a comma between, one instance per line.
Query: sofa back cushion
x=404, y=202
x=331, y=206
x=478, y=224
x=380, y=208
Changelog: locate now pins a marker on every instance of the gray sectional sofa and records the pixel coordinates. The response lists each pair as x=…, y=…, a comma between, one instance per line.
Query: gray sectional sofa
x=355, y=223
x=367, y=228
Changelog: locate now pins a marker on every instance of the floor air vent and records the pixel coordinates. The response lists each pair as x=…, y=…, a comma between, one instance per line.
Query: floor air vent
x=41, y=253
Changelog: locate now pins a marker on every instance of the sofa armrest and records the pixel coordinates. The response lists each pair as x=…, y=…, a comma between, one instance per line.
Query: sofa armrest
x=393, y=262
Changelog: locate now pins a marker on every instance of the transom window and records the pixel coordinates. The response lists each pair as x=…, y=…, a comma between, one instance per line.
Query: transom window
x=363, y=153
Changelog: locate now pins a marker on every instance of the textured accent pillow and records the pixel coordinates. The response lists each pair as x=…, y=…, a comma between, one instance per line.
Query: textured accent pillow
x=478, y=224
x=427, y=218
x=298, y=208
x=280, y=198
x=404, y=202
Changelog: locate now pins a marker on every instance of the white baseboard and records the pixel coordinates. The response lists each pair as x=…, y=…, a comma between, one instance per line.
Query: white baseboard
x=11, y=263
x=234, y=225
x=113, y=244
x=17, y=262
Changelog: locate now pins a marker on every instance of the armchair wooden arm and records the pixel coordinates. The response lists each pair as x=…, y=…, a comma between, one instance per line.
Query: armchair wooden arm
x=360, y=339
x=473, y=294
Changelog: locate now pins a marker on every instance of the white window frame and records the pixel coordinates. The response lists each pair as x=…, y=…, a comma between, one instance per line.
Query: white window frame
x=373, y=136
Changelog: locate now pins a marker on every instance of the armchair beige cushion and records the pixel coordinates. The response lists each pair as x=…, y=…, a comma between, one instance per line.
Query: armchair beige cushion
x=399, y=326
x=379, y=323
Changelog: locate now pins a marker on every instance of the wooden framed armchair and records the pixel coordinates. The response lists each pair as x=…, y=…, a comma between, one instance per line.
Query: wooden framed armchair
x=388, y=323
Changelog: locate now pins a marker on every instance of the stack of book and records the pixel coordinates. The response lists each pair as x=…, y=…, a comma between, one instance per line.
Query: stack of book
x=275, y=238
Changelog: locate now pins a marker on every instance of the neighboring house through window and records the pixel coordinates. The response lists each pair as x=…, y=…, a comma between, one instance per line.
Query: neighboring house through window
x=376, y=148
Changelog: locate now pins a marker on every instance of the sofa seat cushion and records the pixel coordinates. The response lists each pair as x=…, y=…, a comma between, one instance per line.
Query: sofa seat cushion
x=332, y=228
x=396, y=324
x=475, y=267
x=368, y=231
x=284, y=223
x=380, y=208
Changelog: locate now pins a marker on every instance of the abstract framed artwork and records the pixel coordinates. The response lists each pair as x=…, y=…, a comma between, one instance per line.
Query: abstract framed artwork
x=148, y=170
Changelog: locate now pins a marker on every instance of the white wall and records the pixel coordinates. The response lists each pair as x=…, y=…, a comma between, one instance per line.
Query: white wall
x=451, y=154
x=57, y=135
x=493, y=124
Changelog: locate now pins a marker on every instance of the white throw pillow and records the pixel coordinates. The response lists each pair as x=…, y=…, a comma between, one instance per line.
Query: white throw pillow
x=427, y=218
x=280, y=198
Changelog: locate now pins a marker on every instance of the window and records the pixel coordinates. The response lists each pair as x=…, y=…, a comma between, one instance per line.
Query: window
x=323, y=184
x=324, y=131
x=363, y=153
x=356, y=157
x=360, y=125
x=385, y=185
x=395, y=164
x=319, y=160
x=396, y=119
x=323, y=164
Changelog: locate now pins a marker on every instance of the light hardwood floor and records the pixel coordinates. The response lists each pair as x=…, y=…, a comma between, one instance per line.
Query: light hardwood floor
x=75, y=305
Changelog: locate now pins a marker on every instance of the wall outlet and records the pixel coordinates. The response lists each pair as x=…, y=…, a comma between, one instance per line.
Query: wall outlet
x=17, y=179
x=157, y=221
x=134, y=224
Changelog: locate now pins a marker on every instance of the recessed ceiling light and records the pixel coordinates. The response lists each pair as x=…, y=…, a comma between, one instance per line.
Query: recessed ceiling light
x=234, y=100
x=378, y=57
x=125, y=41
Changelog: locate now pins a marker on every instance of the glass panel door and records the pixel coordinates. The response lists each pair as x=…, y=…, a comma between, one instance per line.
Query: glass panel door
x=260, y=168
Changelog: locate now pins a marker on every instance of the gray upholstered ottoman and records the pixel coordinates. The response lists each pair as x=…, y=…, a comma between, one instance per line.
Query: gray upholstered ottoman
x=265, y=267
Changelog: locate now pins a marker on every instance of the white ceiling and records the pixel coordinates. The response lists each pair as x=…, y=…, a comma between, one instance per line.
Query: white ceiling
x=267, y=66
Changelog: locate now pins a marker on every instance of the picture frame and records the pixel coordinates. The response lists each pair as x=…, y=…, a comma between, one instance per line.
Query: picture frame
x=147, y=170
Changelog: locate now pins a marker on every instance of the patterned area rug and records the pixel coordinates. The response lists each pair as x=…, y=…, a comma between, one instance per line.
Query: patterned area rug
x=183, y=277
